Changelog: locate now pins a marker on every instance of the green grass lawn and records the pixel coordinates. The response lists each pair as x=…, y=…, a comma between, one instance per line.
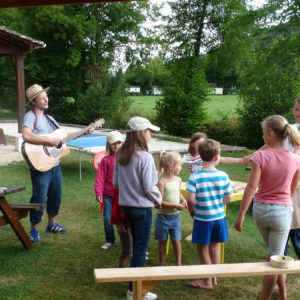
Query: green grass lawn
x=61, y=265
x=144, y=105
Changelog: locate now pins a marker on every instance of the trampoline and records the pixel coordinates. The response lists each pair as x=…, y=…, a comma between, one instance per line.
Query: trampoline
x=91, y=143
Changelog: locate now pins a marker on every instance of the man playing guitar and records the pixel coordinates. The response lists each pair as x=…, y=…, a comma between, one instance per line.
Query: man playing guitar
x=46, y=185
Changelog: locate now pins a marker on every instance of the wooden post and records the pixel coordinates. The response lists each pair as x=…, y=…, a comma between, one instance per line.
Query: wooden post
x=19, y=69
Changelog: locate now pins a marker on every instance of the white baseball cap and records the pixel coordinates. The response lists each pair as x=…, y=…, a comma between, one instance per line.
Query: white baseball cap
x=139, y=123
x=114, y=136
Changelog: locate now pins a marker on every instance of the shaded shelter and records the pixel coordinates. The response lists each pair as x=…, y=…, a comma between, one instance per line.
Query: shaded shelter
x=15, y=45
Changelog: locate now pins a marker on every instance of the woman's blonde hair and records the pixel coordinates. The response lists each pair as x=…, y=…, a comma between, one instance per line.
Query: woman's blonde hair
x=165, y=159
x=134, y=141
x=196, y=136
x=280, y=126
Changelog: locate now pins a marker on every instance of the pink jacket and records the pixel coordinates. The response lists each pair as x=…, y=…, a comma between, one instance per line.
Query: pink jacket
x=104, y=178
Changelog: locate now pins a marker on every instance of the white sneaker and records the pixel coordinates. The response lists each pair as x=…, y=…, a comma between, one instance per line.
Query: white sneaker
x=106, y=246
x=148, y=296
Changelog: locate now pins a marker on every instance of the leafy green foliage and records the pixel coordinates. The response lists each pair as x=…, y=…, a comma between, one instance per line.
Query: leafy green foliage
x=270, y=83
x=106, y=99
x=83, y=42
x=226, y=131
x=196, y=26
x=193, y=27
x=153, y=73
x=180, y=111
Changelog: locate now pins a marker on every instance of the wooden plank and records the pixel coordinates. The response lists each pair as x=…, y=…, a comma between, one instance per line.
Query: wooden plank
x=192, y=271
x=26, y=206
x=10, y=189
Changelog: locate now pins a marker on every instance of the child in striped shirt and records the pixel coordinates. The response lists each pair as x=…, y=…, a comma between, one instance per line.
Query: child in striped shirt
x=208, y=190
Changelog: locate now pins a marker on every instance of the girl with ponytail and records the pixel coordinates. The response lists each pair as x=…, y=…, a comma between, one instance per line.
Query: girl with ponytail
x=275, y=173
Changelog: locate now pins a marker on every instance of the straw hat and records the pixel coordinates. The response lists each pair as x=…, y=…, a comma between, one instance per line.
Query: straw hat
x=34, y=90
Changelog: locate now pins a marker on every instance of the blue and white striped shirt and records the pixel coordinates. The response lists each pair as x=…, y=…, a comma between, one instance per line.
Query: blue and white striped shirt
x=210, y=188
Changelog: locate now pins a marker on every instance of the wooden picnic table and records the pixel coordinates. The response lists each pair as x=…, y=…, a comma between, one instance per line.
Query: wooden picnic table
x=12, y=213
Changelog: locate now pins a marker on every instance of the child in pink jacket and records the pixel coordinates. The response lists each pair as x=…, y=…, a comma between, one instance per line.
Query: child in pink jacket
x=104, y=184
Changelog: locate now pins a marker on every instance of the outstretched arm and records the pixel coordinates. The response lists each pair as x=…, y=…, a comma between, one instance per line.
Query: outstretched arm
x=230, y=160
x=247, y=159
x=248, y=196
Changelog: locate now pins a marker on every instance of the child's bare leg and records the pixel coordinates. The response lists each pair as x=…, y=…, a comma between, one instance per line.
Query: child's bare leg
x=205, y=283
x=214, y=253
x=161, y=251
x=268, y=284
x=177, y=251
x=282, y=287
x=122, y=260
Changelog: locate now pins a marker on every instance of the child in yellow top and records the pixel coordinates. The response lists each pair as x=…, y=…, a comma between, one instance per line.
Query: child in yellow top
x=168, y=217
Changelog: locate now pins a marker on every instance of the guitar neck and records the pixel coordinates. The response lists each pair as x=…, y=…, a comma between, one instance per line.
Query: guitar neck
x=75, y=135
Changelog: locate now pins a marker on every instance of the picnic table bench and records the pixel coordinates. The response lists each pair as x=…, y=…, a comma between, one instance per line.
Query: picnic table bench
x=12, y=213
x=146, y=278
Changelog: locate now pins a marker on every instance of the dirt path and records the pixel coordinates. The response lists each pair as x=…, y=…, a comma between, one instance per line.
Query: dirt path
x=9, y=155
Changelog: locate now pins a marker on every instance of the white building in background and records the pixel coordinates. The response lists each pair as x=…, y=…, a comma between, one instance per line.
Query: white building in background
x=156, y=91
x=134, y=89
x=218, y=91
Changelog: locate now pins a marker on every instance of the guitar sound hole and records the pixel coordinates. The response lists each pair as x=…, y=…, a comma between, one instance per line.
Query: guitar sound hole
x=59, y=145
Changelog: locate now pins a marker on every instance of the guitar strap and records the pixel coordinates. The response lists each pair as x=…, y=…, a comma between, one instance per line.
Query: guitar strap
x=48, y=118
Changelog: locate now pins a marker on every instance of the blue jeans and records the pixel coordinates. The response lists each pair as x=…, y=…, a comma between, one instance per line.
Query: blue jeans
x=108, y=228
x=139, y=220
x=294, y=235
x=46, y=188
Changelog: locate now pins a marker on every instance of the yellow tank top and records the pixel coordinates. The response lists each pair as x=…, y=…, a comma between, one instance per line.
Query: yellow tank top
x=171, y=195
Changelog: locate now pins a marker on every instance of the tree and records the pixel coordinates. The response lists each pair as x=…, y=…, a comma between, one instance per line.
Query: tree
x=179, y=111
x=270, y=83
x=145, y=76
x=82, y=42
x=106, y=99
x=193, y=28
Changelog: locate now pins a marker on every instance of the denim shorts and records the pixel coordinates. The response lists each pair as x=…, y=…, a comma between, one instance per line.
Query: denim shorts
x=273, y=222
x=205, y=232
x=167, y=224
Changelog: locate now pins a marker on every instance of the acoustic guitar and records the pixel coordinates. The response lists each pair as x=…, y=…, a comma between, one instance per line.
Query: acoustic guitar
x=42, y=158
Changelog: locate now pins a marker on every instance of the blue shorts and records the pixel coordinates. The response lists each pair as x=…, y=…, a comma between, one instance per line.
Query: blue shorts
x=167, y=224
x=205, y=232
x=273, y=222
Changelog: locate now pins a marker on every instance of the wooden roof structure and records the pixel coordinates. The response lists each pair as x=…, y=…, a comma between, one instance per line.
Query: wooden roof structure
x=27, y=3
x=15, y=45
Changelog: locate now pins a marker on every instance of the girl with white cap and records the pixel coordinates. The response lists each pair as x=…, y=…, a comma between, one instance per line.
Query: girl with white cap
x=136, y=179
x=104, y=184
